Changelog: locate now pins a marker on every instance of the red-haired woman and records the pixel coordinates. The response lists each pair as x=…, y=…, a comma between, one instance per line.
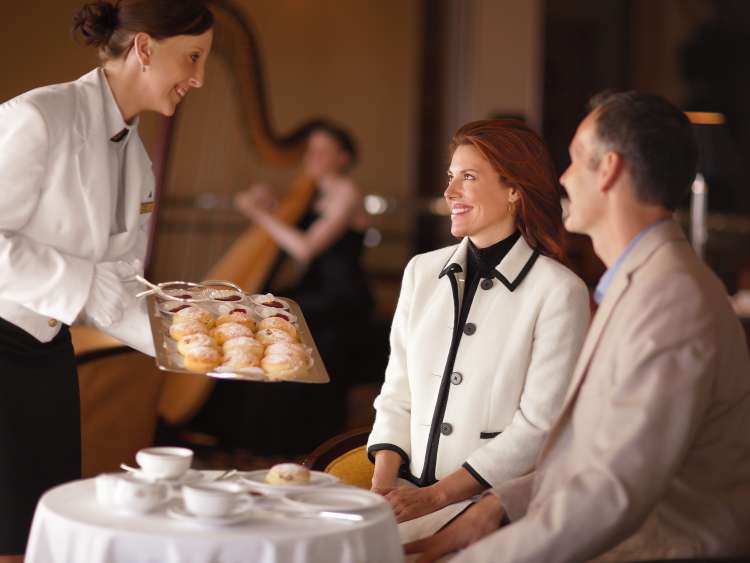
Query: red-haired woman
x=485, y=334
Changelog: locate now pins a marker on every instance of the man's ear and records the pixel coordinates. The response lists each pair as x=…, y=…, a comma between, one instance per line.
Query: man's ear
x=143, y=48
x=610, y=168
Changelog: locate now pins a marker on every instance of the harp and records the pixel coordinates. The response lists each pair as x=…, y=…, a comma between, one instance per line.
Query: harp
x=221, y=138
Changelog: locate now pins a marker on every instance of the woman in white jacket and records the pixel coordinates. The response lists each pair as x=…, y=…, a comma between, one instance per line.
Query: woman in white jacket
x=484, y=337
x=76, y=189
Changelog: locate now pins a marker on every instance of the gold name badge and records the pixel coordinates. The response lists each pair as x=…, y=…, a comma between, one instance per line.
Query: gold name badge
x=147, y=207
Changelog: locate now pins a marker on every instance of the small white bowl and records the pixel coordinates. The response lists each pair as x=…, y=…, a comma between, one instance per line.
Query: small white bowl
x=213, y=499
x=164, y=463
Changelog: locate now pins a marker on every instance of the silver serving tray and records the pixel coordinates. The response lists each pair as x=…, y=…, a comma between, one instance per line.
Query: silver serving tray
x=169, y=359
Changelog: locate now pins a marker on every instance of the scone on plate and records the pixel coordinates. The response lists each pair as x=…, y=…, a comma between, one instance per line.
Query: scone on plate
x=202, y=358
x=268, y=336
x=294, y=349
x=192, y=340
x=193, y=313
x=288, y=474
x=279, y=324
x=240, y=358
x=240, y=316
x=227, y=331
x=279, y=366
x=244, y=343
x=182, y=329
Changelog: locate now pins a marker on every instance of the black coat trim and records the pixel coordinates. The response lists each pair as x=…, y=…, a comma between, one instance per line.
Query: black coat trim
x=451, y=268
x=488, y=435
x=392, y=447
x=512, y=285
x=474, y=473
x=459, y=317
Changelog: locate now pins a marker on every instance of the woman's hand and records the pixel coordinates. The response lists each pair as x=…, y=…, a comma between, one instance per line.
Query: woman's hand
x=475, y=523
x=258, y=197
x=412, y=502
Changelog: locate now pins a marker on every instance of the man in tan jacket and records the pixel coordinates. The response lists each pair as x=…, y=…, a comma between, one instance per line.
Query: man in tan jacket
x=650, y=457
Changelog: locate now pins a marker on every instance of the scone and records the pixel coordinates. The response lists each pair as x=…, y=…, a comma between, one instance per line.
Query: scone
x=293, y=349
x=279, y=366
x=192, y=340
x=240, y=316
x=288, y=474
x=244, y=343
x=193, y=313
x=268, y=336
x=240, y=358
x=182, y=329
x=202, y=358
x=279, y=324
x=227, y=331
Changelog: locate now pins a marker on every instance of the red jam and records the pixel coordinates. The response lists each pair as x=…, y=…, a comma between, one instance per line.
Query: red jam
x=180, y=308
x=274, y=304
x=281, y=316
x=184, y=296
x=237, y=311
x=229, y=298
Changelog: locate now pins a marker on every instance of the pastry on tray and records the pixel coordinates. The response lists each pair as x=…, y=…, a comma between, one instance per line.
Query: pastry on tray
x=202, y=358
x=181, y=329
x=244, y=343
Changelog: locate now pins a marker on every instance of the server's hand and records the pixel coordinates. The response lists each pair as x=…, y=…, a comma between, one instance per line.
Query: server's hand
x=108, y=298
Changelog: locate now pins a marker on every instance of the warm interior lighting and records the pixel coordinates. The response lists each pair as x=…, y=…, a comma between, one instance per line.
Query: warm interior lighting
x=706, y=117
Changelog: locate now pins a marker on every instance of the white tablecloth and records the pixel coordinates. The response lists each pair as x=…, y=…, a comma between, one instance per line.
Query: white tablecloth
x=71, y=527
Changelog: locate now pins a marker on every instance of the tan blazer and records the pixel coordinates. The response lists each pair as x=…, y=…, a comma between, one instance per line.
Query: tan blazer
x=651, y=455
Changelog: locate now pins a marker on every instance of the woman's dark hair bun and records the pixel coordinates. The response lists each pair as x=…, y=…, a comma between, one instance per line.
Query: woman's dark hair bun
x=96, y=22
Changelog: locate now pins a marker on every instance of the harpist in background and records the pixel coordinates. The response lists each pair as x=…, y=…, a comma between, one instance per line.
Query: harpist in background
x=75, y=177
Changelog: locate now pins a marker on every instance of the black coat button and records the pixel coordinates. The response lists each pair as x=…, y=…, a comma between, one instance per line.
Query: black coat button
x=446, y=429
x=456, y=378
x=469, y=329
x=486, y=283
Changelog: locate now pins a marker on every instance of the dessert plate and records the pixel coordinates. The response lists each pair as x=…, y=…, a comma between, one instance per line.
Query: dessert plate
x=257, y=480
x=339, y=499
x=190, y=476
x=241, y=512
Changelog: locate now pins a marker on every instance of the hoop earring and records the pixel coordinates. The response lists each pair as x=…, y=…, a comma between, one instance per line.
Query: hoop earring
x=512, y=208
x=143, y=68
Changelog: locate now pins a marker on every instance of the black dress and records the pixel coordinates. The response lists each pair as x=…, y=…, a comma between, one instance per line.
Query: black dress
x=293, y=418
x=40, y=432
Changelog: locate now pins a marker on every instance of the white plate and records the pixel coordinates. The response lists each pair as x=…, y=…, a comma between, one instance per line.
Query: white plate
x=190, y=476
x=339, y=499
x=257, y=480
x=241, y=512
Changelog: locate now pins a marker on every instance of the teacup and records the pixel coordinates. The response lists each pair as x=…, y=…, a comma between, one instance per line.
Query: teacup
x=164, y=463
x=105, y=488
x=135, y=495
x=213, y=499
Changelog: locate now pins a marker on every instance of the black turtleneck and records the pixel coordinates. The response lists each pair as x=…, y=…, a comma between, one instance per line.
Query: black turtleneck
x=481, y=262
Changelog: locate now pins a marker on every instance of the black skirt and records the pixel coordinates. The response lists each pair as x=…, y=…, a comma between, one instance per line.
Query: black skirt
x=40, y=428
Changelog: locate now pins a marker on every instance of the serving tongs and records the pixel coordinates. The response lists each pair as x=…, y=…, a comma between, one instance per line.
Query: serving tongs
x=160, y=290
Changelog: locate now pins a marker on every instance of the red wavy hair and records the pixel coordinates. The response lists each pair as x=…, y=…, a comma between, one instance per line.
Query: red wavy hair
x=522, y=161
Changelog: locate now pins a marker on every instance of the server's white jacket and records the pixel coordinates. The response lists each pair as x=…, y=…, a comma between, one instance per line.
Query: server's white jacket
x=480, y=392
x=58, y=187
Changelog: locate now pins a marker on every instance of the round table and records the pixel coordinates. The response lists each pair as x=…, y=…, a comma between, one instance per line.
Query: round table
x=70, y=526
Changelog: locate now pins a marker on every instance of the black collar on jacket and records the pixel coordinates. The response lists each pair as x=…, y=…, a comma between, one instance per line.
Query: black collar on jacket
x=510, y=271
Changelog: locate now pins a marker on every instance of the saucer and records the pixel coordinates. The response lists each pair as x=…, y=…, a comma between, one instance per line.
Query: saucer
x=257, y=480
x=190, y=476
x=241, y=512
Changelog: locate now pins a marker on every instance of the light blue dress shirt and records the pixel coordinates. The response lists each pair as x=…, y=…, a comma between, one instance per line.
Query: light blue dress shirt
x=606, y=279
